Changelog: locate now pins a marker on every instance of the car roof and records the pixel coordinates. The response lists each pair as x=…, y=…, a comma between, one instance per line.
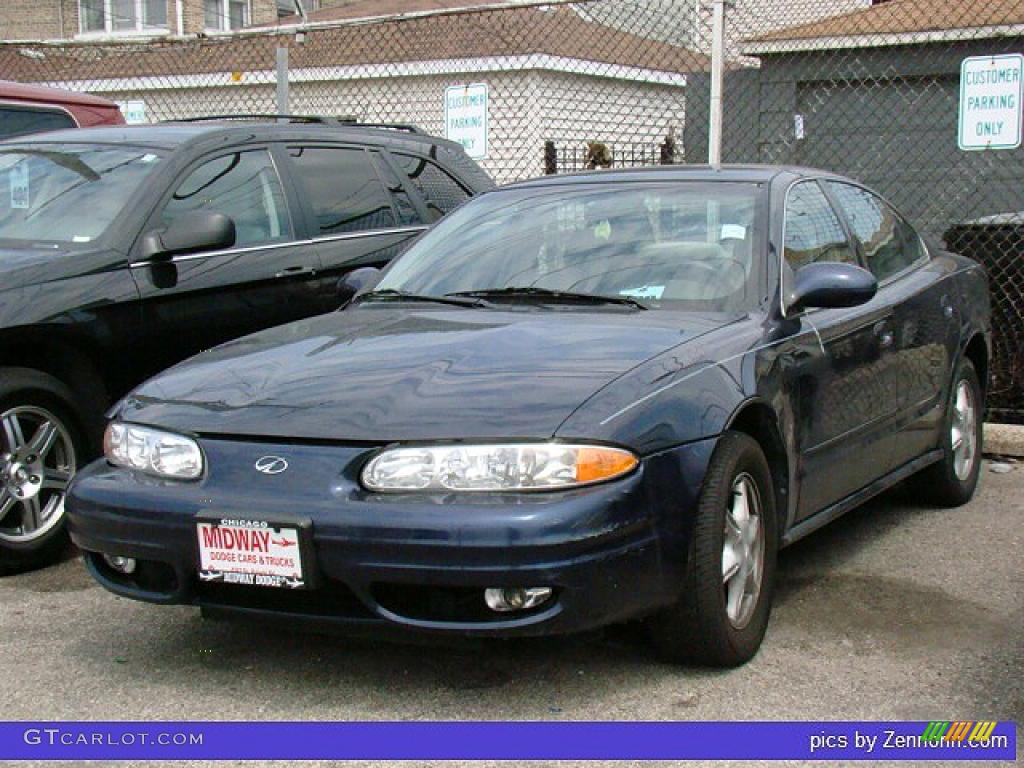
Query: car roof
x=38, y=93
x=659, y=173
x=173, y=135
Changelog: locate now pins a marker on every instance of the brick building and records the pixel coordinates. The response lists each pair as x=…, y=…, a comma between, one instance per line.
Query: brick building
x=84, y=19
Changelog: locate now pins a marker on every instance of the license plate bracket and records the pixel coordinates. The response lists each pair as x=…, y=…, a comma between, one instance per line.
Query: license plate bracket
x=254, y=550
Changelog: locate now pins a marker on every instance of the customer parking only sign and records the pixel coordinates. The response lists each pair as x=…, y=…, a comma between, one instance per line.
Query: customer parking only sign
x=465, y=117
x=991, y=88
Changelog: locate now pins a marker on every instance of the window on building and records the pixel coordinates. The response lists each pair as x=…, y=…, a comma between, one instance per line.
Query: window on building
x=119, y=16
x=287, y=7
x=225, y=15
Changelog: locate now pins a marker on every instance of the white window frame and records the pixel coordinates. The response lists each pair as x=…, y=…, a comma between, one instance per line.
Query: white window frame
x=224, y=17
x=108, y=22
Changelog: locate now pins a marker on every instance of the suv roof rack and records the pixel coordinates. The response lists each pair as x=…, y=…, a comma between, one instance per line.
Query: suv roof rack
x=319, y=119
x=249, y=116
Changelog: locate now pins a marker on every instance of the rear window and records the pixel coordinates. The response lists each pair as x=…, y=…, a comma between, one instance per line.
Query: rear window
x=440, y=191
x=19, y=121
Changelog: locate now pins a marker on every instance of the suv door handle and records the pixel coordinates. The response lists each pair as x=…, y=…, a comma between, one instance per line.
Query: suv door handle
x=295, y=271
x=948, y=309
x=883, y=330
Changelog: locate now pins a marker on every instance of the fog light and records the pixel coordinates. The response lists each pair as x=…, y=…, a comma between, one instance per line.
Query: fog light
x=125, y=565
x=505, y=599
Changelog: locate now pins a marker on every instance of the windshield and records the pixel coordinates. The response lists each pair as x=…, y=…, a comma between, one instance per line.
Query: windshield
x=67, y=193
x=682, y=245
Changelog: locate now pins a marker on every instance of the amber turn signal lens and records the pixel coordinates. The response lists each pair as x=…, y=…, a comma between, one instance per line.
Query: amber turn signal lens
x=600, y=463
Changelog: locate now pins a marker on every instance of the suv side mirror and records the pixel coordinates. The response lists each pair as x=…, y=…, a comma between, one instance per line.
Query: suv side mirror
x=189, y=233
x=356, y=281
x=831, y=284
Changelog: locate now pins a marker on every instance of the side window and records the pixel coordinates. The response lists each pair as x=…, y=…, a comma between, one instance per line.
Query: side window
x=242, y=185
x=440, y=191
x=813, y=231
x=403, y=205
x=343, y=189
x=890, y=244
x=18, y=121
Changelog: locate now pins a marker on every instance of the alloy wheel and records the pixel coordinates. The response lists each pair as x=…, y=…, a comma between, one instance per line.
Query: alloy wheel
x=743, y=551
x=37, y=461
x=964, y=431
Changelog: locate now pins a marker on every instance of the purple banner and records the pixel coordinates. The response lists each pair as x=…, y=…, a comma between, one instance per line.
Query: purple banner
x=196, y=740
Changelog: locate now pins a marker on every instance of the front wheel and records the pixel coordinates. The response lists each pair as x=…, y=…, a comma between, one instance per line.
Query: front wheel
x=722, y=614
x=39, y=453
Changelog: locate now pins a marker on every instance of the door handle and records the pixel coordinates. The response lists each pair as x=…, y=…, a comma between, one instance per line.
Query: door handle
x=948, y=309
x=295, y=271
x=884, y=333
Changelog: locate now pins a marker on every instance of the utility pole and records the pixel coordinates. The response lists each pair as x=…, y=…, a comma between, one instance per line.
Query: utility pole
x=717, y=70
x=282, y=81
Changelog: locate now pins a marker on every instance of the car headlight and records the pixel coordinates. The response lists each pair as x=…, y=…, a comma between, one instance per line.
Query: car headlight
x=500, y=467
x=164, y=454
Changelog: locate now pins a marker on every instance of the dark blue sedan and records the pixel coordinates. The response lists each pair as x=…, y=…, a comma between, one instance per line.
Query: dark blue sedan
x=572, y=402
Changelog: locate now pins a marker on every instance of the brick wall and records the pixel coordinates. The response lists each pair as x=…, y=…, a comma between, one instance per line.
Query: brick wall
x=38, y=19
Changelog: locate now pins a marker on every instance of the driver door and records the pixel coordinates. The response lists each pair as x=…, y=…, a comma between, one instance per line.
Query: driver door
x=842, y=402
x=194, y=301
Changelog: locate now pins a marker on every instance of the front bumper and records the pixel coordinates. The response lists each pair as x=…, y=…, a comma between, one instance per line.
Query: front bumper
x=410, y=562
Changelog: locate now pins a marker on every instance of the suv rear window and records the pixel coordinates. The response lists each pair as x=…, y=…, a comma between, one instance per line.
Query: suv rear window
x=440, y=191
x=18, y=121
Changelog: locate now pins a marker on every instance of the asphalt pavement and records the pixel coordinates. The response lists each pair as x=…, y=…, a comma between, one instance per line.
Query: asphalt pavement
x=896, y=611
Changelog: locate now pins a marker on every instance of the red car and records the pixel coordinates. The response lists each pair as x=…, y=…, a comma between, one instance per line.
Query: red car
x=34, y=108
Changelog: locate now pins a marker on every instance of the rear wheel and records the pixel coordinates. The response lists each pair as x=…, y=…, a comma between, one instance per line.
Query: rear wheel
x=953, y=480
x=722, y=615
x=40, y=451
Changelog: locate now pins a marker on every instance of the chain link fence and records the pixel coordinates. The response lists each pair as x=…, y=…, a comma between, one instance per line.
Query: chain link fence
x=866, y=88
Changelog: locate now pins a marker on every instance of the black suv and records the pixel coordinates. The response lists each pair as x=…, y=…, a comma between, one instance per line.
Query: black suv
x=125, y=250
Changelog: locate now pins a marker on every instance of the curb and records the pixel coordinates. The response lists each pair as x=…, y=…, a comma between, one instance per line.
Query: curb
x=1004, y=440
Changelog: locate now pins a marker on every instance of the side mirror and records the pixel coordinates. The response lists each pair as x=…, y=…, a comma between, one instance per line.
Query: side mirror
x=356, y=281
x=192, y=232
x=831, y=284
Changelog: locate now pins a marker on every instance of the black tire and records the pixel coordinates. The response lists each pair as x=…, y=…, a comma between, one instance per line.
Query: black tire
x=697, y=629
x=939, y=484
x=20, y=388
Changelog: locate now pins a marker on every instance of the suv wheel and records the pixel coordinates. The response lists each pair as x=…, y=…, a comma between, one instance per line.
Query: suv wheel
x=40, y=450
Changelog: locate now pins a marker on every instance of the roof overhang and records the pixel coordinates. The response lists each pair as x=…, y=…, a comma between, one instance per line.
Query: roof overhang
x=876, y=40
x=444, y=67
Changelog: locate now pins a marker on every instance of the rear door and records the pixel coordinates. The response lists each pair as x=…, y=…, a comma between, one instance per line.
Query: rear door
x=357, y=210
x=925, y=328
x=268, y=277
x=843, y=400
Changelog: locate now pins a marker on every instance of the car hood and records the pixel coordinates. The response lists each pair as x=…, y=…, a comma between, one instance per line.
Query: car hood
x=28, y=265
x=380, y=373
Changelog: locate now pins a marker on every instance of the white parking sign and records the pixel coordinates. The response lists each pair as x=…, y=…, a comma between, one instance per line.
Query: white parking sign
x=991, y=89
x=465, y=117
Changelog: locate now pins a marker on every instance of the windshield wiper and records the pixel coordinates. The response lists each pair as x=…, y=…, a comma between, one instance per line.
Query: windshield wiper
x=393, y=294
x=548, y=294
